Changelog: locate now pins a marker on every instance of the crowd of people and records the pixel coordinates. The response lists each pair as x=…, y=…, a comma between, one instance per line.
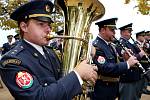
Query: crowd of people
x=31, y=69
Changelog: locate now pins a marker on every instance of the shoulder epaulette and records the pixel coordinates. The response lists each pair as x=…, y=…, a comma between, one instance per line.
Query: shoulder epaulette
x=95, y=42
x=11, y=54
x=15, y=50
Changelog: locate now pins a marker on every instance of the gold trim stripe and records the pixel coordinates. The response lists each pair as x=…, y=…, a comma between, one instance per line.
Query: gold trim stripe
x=39, y=15
x=128, y=28
x=110, y=25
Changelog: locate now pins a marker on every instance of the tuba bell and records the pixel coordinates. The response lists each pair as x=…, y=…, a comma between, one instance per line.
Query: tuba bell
x=78, y=14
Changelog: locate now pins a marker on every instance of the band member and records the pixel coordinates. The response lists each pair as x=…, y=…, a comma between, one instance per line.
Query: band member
x=109, y=69
x=31, y=71
x=17, y=39
x=140, y=39
x=130, y=81
x=7, y=46
x=57, y=44
x=147, y=40
x=141, y=42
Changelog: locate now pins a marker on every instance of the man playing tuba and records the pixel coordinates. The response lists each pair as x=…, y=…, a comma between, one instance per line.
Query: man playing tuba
x=30, y=70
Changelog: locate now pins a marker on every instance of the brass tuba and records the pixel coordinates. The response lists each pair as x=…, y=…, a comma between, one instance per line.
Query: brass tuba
x=79, y=14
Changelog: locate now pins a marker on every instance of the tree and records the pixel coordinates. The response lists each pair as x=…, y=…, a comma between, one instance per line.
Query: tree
x=8, y=6
x=143, y=6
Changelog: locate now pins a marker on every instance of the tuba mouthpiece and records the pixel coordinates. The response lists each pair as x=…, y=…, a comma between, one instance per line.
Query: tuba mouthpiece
x=50, y=36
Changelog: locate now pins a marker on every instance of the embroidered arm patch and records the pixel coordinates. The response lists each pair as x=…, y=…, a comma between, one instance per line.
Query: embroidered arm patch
x=101, y=59
x=11, y=61
x=24, y=80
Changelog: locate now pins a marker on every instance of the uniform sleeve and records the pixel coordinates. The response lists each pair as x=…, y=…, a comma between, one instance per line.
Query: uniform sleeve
x=107, y=65
x=24, y=85
x=4, y=49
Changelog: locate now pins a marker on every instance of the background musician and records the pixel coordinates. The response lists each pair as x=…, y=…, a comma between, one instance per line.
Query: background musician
x=130, y=81
x=141, y=42
x=106, y=59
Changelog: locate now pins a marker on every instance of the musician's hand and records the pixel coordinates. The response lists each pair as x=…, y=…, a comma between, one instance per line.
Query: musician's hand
x=125, y=55
x=87, y=72
x=142, y=53
x=132, y=61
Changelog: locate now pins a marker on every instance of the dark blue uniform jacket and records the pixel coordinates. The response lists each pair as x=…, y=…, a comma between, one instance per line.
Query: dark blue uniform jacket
x=6, y=47
x=106, y=60
x=110, y=67
x=47, y=84
x=133, y=74
x=54, y=46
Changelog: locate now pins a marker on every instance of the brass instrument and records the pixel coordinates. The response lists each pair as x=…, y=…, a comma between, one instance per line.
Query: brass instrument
x=79, y=14
x=50, y=36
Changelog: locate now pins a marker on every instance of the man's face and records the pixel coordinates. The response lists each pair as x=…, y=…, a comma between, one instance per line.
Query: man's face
x=10, y=39
x=126, y=34
x=36, y=31
x=108, y=33
x=141, y=38
x=147, y=37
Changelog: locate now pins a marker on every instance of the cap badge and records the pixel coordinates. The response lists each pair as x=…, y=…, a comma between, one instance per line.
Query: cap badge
x=101, y=60
x=47, y=8
x=24, y=79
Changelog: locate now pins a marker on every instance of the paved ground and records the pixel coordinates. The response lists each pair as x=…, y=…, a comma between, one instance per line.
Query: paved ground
x=5, y=95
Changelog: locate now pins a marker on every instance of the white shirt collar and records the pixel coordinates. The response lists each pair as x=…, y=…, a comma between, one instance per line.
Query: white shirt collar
x=141, y=44
x=37, y=47
x=103, y=39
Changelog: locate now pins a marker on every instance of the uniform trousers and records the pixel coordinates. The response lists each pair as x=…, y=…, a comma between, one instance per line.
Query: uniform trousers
x=105, y=90
x=130, y=90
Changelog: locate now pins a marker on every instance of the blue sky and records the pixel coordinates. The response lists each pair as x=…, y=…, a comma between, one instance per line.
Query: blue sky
x=126, y=13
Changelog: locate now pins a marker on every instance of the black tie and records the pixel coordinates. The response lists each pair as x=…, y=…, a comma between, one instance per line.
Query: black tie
x=111, y=48
x=114, y=52
x=51, y=61
x=44, y=52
